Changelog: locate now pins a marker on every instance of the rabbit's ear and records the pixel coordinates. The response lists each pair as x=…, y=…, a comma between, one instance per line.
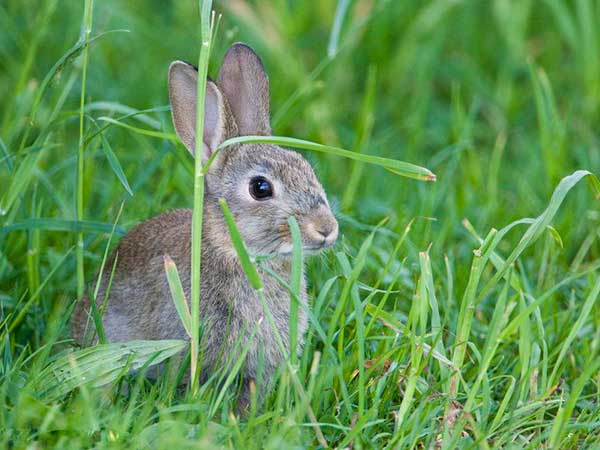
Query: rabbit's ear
x=183, y=79
x=245, y=84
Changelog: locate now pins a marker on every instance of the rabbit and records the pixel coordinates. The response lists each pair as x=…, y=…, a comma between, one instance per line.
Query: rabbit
x=263, y=185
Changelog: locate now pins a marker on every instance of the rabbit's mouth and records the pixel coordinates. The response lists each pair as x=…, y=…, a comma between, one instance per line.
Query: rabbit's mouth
x=319, y=246
x=314, y=250
x=309, y=249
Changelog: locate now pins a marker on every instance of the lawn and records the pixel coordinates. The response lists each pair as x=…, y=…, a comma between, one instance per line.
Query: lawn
x=456, y=313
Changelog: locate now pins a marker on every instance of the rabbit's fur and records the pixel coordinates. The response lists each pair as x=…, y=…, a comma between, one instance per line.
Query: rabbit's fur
x=139, y=304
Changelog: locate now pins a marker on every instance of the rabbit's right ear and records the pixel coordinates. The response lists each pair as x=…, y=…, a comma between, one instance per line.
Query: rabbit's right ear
x=245, y=84
x=183, y=79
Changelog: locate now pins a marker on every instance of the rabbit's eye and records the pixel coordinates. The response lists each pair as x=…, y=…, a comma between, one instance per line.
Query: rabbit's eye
x=260, y=188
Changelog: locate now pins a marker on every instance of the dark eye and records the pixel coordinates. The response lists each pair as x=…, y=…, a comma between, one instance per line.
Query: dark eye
x=260, y=188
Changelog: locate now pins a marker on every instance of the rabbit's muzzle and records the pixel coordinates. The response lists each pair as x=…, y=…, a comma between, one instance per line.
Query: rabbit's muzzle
x=320, y=229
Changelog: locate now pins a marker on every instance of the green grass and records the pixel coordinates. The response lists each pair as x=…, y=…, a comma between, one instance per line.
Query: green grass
x=461, y=313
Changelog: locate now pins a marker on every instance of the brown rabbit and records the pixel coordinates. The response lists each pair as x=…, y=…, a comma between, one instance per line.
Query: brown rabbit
x=263, y=185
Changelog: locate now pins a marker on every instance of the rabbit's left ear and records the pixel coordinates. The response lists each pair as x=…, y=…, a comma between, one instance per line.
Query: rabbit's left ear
x=183, y=79
x=245, y=84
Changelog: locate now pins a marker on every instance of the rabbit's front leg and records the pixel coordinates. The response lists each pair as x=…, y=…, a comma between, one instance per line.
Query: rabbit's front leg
x=245, y=397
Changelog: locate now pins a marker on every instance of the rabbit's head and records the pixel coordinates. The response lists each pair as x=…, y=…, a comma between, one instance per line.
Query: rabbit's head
x=263, y=184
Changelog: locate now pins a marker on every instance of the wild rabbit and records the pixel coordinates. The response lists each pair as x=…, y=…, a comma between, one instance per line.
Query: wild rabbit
x=263, y=185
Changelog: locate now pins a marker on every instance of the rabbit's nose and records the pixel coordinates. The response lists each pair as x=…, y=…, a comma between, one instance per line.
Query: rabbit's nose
x=323, y=229
x=328, y=230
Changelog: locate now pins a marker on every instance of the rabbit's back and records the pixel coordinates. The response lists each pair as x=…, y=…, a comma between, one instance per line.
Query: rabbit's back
x=136, y=301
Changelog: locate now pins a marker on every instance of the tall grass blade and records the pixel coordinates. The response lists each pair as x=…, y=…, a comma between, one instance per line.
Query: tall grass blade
x=240, y=248
x=86, y=31
x=463, y=332
x=295, y=285
x=490, y=346
x=398, y=167
x=206, y=29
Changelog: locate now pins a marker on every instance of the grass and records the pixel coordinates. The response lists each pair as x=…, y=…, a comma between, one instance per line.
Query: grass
x=462, y=313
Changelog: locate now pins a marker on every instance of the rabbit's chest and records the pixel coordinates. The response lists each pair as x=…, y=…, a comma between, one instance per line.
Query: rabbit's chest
x=241, y=321
x=268, y=330
x=277, y=301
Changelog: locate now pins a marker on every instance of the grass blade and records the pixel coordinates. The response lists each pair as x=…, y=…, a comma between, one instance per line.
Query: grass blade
x=398, y=167
x=7, y=156
x=340, y=13
x=20, y=181
x=114, y=163
x=177, y=294
x=296, y=286
x=139, y=115
x=206, y=30
x=240, y=248
x=72, y=226
x=143, y=131
x=86, y=31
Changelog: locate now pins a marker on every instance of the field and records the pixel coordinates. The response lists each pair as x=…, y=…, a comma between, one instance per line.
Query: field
x=460, y=313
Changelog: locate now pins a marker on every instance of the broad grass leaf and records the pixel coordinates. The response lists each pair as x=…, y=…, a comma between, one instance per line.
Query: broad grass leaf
x=102, y=364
